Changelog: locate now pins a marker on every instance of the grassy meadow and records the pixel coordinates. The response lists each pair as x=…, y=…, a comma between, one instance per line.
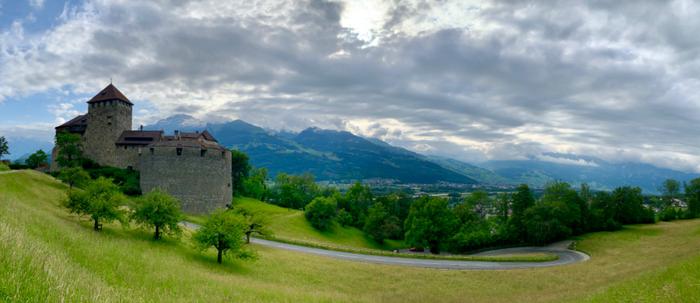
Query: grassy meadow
x=47, y=255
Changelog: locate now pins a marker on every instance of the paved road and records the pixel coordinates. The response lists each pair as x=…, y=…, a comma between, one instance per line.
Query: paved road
x=566, y=256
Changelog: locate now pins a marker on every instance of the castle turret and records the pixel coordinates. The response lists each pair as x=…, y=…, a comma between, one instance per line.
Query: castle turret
x=109, y=114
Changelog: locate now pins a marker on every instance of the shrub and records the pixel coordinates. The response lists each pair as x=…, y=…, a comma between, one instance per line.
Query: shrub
x=321, y=212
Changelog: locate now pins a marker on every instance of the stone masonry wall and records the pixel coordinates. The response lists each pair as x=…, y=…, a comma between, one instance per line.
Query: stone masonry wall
x=129, y=156
x=201, y=183
x=106, y=121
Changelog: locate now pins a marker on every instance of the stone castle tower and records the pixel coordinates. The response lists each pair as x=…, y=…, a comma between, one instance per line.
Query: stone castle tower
x=109, y=115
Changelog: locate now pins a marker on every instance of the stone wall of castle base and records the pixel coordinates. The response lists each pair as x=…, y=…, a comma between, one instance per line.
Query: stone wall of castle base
x=202, y=183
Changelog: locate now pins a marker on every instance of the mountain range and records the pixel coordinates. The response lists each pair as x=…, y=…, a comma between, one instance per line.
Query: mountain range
x=342, y=156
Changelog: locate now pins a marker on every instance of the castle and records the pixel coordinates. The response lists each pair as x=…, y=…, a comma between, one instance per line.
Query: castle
x=192, y=167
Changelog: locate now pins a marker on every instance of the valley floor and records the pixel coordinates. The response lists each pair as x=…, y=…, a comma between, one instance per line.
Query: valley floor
x=47, y=255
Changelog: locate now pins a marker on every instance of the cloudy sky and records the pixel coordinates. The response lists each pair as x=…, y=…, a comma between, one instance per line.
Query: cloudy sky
x=475, y=80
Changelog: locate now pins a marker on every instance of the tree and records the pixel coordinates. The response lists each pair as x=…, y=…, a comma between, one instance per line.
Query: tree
x=430, y=223
x=692, y=195
x=321, y=212
x=240, y=169
x=522, y=199
x=74, y=176
x=224, y=231
x=4, y=148
x=344, y=218
x=670, y=189
x=546, y=221
x=254, y=185
x=101, y=200
x=629, y=207
x=254, y=224
x=479, y=201
x=159, y=210
x=502, y=206
x=356, y=201
x=294, y=191
x=70, y=152
x=573, y=210
x=36, y=159
x=379, y=224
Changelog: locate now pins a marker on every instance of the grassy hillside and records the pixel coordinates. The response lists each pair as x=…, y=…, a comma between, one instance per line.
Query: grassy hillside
x=47, y=255
x=290, y=224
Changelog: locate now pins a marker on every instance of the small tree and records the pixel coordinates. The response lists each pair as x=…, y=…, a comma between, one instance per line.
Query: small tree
x=321, y=212
x=344, y=218
x=74, y=176
x=159, y=210
x=4, y=149
x=254, y=224
x=224, y=231
x=36, y=159
x=101, y=200
x=240, y=169
x=70, y=152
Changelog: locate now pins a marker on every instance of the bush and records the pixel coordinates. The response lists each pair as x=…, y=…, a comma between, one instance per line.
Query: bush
x=321, y=212
x=126, y=179
x=671, y=213
x=4, y=167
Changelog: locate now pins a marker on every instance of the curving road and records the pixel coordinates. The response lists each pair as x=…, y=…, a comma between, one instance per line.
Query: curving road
x=566, y=256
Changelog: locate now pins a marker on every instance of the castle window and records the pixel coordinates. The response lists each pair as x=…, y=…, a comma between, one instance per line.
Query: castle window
x=124, y=146
x=179, y=151
x=202, y=152
x=151, y=149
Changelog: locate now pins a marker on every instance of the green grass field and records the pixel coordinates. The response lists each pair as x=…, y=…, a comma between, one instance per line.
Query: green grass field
x=47, y=255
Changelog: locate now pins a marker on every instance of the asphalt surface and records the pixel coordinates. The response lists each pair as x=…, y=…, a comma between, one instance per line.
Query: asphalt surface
x=566, y=256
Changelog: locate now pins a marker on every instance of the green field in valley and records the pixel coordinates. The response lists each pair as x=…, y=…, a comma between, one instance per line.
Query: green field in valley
x=47, y=255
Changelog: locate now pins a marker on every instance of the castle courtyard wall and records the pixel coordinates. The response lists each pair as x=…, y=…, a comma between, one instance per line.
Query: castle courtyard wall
x=202, y=183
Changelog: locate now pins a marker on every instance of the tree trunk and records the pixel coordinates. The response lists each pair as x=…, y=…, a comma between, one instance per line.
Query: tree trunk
x=97, y=224
x=218, y=257
x=247, y=238
x=157, y=234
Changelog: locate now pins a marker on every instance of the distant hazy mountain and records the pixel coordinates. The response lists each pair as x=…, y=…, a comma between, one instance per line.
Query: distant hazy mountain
x=21, y=148
x=598, y=173
x=340, y=155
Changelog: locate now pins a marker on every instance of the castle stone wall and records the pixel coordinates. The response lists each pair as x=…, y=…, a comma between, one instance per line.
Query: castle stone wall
x=106, y=121
x=128, y=156
x=201, y=183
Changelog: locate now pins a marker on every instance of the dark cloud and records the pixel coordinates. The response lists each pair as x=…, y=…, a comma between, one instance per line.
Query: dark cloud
x=613, y=79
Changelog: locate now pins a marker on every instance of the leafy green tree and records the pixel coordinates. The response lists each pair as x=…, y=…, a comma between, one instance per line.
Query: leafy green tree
x=240, y=169
x=254, y=185
x=294, y=191
x=321, y=212
x=574, y=210
x=70, y=152
x=629, y=206
x=522, y=199
x=344, y=218
x=380, y=225
x=692, y=196
x=430, y=223
x=224, y=231
x=670, y=189
x=74, y=176
x=546, y=221
x=502, y=206
x=160, y=211
x=101, y=200
x=357, y=201
x=603, y=211
x=480, y=202
x=255, y=224
x=36, y=159
x=4, y=148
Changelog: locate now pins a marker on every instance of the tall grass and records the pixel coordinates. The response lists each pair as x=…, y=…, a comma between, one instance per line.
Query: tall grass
x=47, y=255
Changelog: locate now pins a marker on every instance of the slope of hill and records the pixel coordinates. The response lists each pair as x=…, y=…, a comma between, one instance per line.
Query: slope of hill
x=47, y=255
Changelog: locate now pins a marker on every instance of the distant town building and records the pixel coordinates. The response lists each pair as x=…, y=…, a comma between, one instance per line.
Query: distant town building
x=193, y=167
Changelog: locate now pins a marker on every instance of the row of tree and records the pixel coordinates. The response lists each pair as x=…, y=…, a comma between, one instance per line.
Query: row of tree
x=103, y=202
